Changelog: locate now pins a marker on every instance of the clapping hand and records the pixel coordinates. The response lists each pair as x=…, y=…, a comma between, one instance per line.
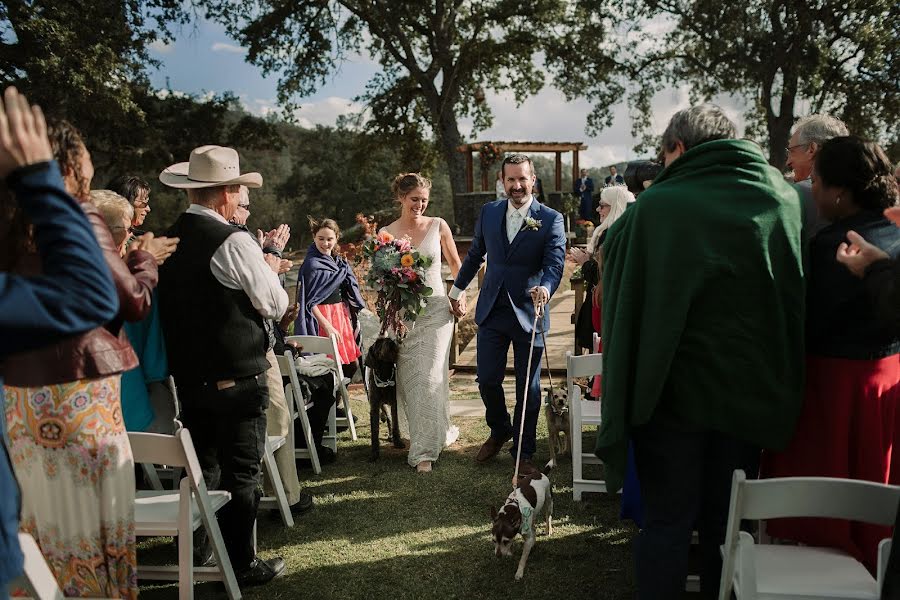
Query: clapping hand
x=23, y=133
x=277, y=238
x=160, y=247
x=859, y=254
x=579, y=255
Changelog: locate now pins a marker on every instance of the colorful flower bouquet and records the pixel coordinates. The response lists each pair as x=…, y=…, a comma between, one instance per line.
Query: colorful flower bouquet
x=397, y=274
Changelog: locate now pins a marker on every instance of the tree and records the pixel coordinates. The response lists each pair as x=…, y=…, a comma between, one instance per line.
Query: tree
x=786, y=57
x=84, y=61
x=437, y=58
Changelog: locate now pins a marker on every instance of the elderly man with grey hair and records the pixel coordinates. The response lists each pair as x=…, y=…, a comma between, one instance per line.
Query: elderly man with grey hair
x=702, y=340
x=809, y=135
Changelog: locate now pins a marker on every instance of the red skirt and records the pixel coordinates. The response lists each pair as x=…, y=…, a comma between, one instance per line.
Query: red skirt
x=339, y=316
x=847, y=427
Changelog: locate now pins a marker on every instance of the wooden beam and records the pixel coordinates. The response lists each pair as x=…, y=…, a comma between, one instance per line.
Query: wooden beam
x=484, y=177
x=575, y=168
x=527, y=146
x=470, y=173
x=559, y=171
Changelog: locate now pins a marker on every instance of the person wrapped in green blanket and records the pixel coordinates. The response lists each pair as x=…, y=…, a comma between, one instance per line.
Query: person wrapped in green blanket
x=703, y=318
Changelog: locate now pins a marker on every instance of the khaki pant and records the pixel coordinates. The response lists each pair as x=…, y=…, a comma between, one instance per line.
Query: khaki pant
x=279, y=422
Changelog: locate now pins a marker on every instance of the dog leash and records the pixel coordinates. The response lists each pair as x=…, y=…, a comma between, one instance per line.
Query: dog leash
x=538, y=313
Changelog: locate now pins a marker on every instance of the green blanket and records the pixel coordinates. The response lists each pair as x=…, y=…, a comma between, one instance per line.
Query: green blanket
x=703, y=304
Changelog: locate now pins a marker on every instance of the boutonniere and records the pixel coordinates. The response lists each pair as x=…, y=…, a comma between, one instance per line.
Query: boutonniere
x=531, y=224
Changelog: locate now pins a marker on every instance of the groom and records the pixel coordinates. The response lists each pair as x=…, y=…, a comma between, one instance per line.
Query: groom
x=526, y=243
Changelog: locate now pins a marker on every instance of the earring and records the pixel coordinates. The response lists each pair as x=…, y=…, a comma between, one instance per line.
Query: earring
x=837, y=200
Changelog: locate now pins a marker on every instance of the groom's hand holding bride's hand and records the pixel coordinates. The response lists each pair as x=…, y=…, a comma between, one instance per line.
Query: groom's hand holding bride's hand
x=458, y=306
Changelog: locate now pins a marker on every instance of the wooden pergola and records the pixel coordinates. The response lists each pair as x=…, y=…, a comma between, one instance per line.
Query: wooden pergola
x=525, y=148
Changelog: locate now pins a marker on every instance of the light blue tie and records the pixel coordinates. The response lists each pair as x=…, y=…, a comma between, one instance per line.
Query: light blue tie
x=513, y=225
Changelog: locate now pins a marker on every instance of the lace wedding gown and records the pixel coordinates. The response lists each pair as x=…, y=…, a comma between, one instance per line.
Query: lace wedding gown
x=423, y=382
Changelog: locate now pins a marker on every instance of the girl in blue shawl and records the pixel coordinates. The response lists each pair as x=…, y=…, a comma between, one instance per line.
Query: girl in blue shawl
x=328, y=293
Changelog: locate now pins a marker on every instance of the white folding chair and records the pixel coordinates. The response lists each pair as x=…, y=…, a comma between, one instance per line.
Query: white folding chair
x=37, y=579
x=582, y=413
x=762, y=571
x=279, y=501
x=179, y=513
x=321, y=345
x=298, y=407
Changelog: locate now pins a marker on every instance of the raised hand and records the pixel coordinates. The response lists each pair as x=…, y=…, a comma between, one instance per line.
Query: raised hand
x=277, y=238
x=160, y=247
x=284, y=266
x=274, y=262
x=23, y=133
x=859, y=254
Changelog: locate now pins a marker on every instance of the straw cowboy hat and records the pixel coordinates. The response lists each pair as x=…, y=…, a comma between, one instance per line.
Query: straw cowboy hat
x=209, y=166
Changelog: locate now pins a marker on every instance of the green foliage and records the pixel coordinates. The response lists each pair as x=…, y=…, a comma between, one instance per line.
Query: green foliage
x=85, y=61
x=436, y=58
x=786, y=57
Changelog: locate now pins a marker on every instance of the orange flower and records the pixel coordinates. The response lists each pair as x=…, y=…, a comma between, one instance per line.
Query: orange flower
x=385, y=238
x=407, y=260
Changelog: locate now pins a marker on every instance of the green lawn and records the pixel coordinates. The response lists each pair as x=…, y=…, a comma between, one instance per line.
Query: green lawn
x=383, y=531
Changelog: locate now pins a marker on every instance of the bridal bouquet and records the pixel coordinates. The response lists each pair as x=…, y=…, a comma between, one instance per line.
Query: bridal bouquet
x=397, y=274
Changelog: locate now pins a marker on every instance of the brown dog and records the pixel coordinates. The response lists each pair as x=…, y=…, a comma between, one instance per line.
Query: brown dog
x=556, y=410
x=381, y=380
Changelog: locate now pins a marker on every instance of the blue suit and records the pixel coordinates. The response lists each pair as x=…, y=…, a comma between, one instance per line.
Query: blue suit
x=586, y=208
x=505, y=311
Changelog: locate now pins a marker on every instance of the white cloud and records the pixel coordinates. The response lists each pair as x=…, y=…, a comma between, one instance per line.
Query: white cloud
x=325, y=111
x=229, y=48
x=548, y=117
x=162, y=47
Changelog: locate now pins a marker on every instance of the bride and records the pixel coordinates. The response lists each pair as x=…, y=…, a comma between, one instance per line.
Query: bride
x=423, y=386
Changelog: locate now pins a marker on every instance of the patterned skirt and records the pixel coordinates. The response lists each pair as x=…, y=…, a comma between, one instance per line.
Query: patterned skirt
x=71, y=455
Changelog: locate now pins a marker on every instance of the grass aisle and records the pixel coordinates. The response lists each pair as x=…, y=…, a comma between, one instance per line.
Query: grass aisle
x=383, y=531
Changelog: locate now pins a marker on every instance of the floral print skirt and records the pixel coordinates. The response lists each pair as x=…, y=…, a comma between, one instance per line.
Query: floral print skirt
x=71, y=455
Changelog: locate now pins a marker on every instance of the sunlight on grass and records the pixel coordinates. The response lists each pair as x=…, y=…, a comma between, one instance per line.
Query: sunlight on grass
x=380, y=530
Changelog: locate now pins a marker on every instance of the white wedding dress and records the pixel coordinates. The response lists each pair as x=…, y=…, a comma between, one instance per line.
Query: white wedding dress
x=423, y=368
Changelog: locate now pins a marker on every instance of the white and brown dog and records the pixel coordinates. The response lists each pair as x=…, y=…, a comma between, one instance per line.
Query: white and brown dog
x=532, y=495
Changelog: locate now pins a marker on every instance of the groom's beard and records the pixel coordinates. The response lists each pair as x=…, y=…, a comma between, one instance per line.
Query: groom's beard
x=518, y=197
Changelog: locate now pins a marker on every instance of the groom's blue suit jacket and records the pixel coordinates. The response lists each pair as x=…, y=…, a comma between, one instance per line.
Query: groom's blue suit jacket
x=533, y=258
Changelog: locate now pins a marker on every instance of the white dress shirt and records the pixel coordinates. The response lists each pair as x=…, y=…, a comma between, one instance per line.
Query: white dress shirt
x=238, y=264
x=515, y=218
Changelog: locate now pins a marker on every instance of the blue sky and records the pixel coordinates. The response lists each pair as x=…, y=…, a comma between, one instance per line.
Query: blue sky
x=203, y=58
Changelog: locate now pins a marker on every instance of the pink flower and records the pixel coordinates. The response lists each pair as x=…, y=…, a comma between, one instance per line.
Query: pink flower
x=403, y=244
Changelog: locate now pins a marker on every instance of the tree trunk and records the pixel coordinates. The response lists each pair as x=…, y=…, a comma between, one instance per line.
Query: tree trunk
x=449, y=139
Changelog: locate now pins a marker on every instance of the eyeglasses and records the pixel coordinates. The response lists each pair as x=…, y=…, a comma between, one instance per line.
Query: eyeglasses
x=142, y=204
x=790, y=149
x=244, y=206
x=606, y=206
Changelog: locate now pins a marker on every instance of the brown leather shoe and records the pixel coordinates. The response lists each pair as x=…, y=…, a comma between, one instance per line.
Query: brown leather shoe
x=527, y=468
x=491, y=448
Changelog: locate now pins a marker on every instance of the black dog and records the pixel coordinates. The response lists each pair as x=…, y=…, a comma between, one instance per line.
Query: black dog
x=381, y=379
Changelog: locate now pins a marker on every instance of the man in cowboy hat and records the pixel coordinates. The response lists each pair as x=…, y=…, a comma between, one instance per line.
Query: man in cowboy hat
x=215, y=293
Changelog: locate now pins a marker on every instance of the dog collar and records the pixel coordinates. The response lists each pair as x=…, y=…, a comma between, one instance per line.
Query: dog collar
x=382, y=383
